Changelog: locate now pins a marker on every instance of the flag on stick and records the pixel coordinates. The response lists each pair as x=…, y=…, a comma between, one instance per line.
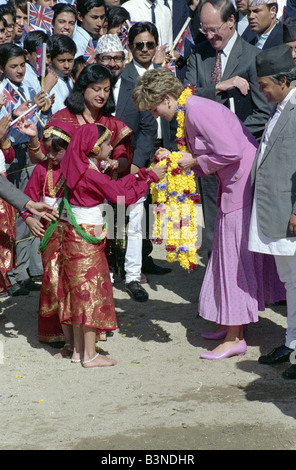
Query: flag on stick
x=29, y=114
x=184, y=39
x=40, y=17
x=90, y=52
x=10, y=98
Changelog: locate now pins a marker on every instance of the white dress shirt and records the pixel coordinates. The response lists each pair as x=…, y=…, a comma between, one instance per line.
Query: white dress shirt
x=257, y=240
x=227, y=50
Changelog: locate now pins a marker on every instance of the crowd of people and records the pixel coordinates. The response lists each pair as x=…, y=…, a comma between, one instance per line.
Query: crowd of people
x=80, y=128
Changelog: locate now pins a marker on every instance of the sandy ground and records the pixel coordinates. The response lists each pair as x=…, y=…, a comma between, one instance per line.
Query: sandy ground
x=160, y=395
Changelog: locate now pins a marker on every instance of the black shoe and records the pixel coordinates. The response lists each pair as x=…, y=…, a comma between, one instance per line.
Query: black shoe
x=17, y=290
x=30, y=285
x=149, y=267
x=136, y=291
x=290, y=373
x=277, y=356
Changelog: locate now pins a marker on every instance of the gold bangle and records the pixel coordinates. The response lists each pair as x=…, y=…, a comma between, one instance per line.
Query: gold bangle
x=34, y=149
x=6, y=147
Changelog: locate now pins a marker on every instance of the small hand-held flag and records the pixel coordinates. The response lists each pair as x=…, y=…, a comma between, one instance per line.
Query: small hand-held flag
x=10, y=98
x=40, y=17
x=90, y=52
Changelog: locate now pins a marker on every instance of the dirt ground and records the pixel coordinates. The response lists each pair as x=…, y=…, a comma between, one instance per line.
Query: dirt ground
x=160, y=395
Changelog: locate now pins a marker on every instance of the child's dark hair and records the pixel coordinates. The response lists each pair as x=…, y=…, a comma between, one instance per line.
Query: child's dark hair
x=116, y=16
x=9, y=51
x=93, y=73
x=78, y=62
x=59, y=44
x=34, y=39
x=57, y=142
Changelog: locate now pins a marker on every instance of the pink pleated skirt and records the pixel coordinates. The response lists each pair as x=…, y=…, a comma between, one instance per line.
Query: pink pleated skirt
x=233, y=289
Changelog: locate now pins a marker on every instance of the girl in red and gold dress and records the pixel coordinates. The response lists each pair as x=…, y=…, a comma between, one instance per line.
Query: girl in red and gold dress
x=47, y=183
x=86, y=290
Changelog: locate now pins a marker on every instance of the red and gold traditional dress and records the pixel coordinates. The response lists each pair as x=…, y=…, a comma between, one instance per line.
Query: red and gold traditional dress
x=86, y=289
x=7, y=231
x=47, y=183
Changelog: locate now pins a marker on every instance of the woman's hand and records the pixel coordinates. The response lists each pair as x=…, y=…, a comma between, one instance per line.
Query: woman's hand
x=161, y=153
x=187, y=161
x=35, y=227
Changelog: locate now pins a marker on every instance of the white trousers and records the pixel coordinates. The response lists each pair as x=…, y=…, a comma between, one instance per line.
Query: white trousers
x=133, y=256
x=286, y=268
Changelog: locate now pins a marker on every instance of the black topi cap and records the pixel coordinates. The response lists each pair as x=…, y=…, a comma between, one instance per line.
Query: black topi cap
x=289, y=30
x=274, y=60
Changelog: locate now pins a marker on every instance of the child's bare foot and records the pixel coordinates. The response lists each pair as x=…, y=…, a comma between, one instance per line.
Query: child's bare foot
x=65, y=352
x=99, y=361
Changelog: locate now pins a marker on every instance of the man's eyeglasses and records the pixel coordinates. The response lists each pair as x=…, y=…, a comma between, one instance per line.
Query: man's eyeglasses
x=149, y=44
x=212, y=31
x=105, y=59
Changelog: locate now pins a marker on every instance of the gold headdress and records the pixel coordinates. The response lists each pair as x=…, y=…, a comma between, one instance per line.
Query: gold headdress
x=52, y=131
x=97, y=148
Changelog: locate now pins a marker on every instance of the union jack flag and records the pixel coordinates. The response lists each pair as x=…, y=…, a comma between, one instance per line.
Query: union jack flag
x=90, y=52
x=123, y=36
x=171, y=66
x=40, y=17
x=10, y=98
x=185, y=38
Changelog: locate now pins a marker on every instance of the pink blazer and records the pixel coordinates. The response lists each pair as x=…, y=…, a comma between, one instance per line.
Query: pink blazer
x=222, y=145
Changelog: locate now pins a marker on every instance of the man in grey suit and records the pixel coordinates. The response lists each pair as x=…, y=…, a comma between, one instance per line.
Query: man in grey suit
x=273, y=218
x=235, y=85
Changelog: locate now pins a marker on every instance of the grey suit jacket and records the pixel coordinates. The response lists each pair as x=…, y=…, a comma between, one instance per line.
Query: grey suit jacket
x=12, y=195
x=169, y=129
x=252, y=109
x=142, y=124
x=275, y=177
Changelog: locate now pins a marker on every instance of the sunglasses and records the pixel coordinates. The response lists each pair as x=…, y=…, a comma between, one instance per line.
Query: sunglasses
x=149, y=44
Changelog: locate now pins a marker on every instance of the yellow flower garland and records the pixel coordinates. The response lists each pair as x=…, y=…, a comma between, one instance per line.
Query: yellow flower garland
x=174, y=199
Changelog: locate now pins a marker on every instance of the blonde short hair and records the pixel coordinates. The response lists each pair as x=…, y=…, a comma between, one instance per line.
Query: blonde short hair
x=152, y=88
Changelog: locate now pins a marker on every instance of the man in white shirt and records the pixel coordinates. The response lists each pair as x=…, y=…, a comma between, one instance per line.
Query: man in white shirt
x=273, y=218
x=157, y=13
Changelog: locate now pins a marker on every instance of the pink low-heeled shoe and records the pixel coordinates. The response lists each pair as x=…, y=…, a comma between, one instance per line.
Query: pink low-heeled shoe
x=215, y=334
x=218, y=334
x=238, y=350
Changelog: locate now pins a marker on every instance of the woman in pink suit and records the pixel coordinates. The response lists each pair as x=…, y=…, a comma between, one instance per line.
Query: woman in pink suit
x=232, y=290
